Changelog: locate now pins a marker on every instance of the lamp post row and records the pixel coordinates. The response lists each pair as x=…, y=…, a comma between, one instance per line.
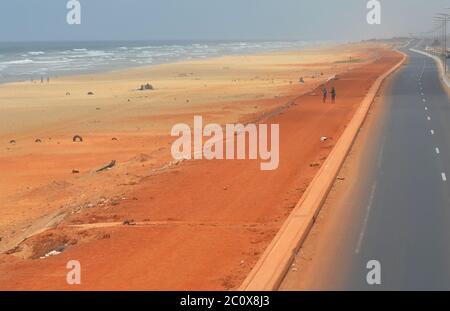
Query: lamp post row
x=444, y=18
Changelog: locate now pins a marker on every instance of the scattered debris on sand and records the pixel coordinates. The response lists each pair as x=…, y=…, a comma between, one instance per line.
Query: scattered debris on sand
x=38, y=141
x=323, y=139
x=77, y=138
x=54, y=252
x=104, y=236
x=12, y=142
x=90, y=93
x=107, y=167
x=75, y=172
x=146, y=87
x=129, y=222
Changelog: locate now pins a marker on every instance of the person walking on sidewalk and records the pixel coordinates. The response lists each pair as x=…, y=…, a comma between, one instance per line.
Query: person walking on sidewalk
x=333, y=94
x=325, y=94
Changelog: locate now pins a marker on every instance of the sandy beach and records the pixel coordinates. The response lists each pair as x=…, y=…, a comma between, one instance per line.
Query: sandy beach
x=151, y=223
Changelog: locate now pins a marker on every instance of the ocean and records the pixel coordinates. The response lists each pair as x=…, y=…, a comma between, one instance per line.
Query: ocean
x=33, y=60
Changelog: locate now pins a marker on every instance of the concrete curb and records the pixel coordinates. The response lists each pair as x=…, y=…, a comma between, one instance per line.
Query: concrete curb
x=272, y=267
x=445, y=79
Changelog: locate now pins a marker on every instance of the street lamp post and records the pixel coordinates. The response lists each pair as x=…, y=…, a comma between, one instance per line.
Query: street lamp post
x=443, y=18
x=440, y=23
x=446, y=18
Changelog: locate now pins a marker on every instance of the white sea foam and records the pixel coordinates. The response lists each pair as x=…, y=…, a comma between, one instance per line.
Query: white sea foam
x=93, y=53
x=36, y=53
x=57, y=61
x=18, y=62
x=92, y=58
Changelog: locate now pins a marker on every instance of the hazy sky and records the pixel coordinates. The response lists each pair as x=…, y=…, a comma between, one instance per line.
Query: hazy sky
x=37, y=20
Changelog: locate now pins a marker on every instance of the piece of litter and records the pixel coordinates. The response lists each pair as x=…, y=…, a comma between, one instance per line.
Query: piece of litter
x=52, y=253
x=129, y=223
x=107, y=167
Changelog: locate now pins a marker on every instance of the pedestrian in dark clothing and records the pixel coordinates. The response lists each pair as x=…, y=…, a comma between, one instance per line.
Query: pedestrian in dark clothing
x=333, y=94
x=324, y=93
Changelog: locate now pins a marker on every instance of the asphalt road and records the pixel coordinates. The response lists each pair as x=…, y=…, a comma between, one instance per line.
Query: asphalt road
x=396, y=206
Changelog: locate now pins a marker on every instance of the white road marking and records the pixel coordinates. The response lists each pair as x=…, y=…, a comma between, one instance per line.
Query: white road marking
x=428, y=118
x=438, y=151
x=422, y=94
x=424, y=100
x=426, y=108
x=366, y=219
x=432, y=132
x=380, y=156
x=444, y=177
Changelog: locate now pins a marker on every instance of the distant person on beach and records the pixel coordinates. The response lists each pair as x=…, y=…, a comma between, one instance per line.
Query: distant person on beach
x=325, y=94
x=333, y=94
x=48, y=79
x=42, y=79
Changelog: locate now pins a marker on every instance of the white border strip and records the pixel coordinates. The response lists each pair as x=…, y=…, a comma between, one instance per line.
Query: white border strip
x=445, y=79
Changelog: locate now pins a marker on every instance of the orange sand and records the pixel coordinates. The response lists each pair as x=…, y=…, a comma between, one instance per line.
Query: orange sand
x=199, y=224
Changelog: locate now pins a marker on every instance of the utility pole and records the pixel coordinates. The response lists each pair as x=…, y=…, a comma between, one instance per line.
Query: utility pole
x=447, y=18
x=439, y=21
x=444, y=17
x=445, y=44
